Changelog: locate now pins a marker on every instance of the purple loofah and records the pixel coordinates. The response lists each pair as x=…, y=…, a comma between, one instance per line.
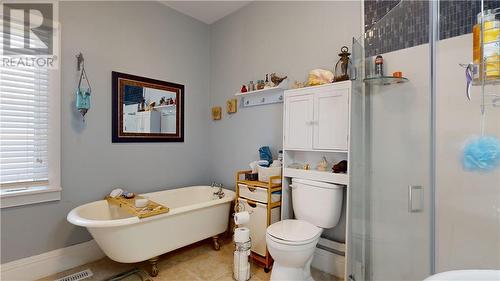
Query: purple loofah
x=482, y=154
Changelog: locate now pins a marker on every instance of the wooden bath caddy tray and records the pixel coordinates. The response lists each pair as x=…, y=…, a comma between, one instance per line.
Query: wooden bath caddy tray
x=152, y=209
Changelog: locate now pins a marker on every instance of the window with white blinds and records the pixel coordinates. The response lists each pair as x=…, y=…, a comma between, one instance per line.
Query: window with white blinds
x=24, y=112
x=24, y=104
x=30, y=121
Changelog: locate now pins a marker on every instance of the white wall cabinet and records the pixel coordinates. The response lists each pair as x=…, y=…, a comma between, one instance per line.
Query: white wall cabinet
x=316, y=125
x=317, y=118
x=168, y=119
x=148, y=122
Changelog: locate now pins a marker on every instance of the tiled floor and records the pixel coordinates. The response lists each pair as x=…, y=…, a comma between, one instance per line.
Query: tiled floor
x=198, y=262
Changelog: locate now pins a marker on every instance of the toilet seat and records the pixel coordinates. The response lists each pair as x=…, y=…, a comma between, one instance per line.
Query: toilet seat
x=293, y=232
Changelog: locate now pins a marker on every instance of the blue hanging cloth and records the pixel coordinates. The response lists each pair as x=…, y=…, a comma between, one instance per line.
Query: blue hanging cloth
x=265, y=154
x=482, y=154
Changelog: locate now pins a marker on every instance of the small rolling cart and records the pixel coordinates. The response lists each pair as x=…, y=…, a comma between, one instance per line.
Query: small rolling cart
x=263, y=201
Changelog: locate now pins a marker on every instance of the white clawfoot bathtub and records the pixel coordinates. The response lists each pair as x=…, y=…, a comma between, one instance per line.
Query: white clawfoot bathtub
x=195, y=214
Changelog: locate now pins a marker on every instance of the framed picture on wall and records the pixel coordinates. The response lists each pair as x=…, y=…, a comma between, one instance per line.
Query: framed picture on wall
x=146, y=110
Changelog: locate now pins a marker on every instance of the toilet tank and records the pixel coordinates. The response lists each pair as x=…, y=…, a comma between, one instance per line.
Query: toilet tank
x=319, y=203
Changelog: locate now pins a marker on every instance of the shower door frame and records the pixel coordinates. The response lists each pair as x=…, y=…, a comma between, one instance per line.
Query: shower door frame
x=433, y=39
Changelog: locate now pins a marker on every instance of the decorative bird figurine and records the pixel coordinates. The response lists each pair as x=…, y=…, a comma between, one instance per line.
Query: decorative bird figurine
x=340, y=167
x=276, y=79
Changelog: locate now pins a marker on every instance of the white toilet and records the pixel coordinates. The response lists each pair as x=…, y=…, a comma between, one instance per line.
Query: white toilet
x=291, y=243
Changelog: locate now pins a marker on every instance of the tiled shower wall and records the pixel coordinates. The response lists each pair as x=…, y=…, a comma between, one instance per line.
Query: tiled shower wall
x=394, y=25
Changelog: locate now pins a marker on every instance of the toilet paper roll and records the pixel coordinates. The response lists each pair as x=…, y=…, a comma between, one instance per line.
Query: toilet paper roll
x=241, y=234
x=241, y=218
x=241, y=266
x=240, y=261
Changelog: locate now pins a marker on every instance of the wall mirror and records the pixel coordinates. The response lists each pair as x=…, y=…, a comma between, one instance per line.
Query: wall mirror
x=146, y=110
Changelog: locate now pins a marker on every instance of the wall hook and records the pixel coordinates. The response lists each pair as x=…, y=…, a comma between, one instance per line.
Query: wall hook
x=79, y=61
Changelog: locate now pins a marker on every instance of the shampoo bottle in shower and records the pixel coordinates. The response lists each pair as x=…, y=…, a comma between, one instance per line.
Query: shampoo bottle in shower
x=490, y=45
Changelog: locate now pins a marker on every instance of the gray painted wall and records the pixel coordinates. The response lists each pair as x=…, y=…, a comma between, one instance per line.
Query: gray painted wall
x=146, y=39
x=284, y=37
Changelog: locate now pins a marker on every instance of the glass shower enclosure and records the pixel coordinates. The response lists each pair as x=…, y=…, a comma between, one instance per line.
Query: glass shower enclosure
x=416, y=208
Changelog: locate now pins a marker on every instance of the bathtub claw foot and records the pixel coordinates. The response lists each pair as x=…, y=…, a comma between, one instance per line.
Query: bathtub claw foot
x=216, y=243
x=154, y=267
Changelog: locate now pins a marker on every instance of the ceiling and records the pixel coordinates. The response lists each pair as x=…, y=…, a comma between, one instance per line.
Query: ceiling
x=206, y=11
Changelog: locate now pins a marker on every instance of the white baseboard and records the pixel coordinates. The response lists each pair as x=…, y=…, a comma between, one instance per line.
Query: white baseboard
x=35, y=267
x=329, y=262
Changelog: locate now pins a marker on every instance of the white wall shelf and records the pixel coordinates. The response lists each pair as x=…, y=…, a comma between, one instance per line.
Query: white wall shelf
x=326, y=176
x=166, y=106
x=264, y=96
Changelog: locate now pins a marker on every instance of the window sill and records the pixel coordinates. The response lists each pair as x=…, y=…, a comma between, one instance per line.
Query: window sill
x=29, y=195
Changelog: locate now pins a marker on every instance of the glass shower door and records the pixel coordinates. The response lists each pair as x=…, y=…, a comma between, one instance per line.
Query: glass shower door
x=391, y=216
x=399, y=174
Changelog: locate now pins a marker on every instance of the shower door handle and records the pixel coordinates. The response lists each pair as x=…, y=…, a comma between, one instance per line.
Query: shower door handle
x=415, y=198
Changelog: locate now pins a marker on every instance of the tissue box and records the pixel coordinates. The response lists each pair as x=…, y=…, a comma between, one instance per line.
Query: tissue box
x=265, y=173
x=251, y=177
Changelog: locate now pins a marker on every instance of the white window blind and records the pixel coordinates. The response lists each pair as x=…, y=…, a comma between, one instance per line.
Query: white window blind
x=24, y=118
x=23, y=124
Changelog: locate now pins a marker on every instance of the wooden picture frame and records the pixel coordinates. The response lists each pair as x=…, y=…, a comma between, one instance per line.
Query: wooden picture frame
x=119, y=82
x=216, y=113
x=232, y=106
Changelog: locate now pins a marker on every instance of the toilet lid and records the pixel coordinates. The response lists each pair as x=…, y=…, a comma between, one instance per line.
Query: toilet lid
x=293, y=230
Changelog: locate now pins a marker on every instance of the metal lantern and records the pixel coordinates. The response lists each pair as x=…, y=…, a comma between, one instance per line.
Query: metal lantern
x=343, y=66
x=82, y=101
x=82, y=94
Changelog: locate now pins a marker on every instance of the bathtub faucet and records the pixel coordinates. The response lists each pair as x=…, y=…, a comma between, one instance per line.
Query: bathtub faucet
x=219, y=193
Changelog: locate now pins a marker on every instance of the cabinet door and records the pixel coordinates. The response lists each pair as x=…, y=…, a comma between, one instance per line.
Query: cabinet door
x=331, y=119
x=298, y=122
